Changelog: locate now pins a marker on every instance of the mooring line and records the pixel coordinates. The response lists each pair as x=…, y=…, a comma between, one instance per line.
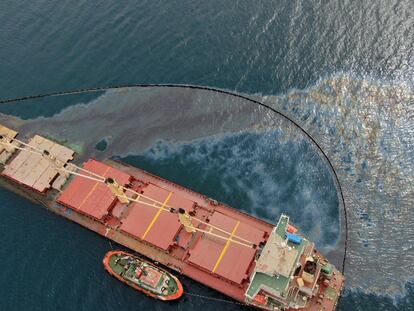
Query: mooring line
x=215, y=299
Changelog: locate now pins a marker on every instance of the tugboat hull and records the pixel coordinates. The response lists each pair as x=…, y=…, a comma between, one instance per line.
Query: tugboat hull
x=166, y=286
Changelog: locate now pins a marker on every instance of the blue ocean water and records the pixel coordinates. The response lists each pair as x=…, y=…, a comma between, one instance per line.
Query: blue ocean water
x=267, y=47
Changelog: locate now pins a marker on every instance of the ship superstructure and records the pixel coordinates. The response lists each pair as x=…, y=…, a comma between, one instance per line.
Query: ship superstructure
x=243, y=257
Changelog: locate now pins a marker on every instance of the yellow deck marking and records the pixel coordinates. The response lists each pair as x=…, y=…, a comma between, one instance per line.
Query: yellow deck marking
x=157, y=215
x=225, y=248
x=93, y=189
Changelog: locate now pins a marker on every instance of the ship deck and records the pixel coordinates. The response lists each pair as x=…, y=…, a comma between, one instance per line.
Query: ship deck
x=158, y=235
x=211, y=255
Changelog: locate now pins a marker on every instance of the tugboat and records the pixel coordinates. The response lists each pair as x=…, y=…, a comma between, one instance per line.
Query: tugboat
x=143, y=276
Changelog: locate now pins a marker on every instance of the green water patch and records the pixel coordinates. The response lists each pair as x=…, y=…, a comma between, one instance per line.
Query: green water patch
x=101, y=145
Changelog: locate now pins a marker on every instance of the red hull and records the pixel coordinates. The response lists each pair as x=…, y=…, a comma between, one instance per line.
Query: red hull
x=148, y=229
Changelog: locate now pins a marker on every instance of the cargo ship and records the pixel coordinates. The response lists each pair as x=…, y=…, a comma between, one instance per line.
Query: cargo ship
x=259, y=264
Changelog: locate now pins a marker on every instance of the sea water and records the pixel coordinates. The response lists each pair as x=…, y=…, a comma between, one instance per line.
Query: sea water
x=343, y=70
